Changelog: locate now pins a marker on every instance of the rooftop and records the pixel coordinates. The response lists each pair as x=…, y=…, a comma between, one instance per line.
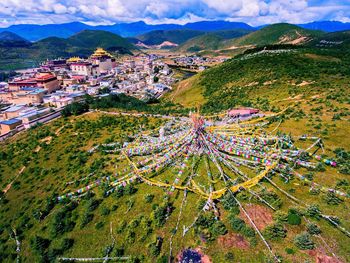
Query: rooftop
x=10, y=122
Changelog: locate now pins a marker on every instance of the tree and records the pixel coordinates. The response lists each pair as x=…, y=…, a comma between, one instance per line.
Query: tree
x=236, y=223
x=275, y=231
x=313, y=229
x=313, y=211
x=294, y=217
x=149, y=198
x=67, y=243
x=332, y=199
x=76, y=108
x=303, y=241
x=40, y=244
x=218, y=228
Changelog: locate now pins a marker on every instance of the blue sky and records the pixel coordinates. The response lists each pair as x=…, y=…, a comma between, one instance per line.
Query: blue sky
x=254, y=12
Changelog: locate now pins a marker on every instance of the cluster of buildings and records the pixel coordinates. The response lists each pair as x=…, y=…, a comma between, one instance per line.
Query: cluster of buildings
x=37, y=95
x=197, y=62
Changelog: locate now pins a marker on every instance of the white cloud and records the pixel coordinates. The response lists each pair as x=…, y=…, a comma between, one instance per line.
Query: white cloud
x=176, y=11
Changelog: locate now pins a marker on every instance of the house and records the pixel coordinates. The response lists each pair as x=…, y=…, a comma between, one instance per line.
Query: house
x=242, y=112
x=46, y=81
x=84, y=68
x=13, y=111
x=9, y=125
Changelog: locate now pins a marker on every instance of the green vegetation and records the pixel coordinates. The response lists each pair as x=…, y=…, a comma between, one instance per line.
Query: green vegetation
x=211, y=40
x=277, y=34
x=81, y=44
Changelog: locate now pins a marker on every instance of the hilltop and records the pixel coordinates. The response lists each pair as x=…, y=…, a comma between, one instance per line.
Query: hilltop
x=9, y=39
x=277, y=34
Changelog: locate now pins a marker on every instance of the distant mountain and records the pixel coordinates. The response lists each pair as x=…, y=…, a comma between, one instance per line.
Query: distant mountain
x=136, y=28
x=217, y=25
x=277, y=34
x=175, y=36
x=37, y=32
x=81, y=44
x=211, y=40
x=327, y=26
x=9, y=39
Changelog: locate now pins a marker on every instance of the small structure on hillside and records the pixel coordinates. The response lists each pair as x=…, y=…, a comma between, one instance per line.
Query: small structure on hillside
x=242, y=112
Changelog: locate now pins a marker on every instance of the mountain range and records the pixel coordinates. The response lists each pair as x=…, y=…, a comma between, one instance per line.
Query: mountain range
x=15, y=52
x=37, y=32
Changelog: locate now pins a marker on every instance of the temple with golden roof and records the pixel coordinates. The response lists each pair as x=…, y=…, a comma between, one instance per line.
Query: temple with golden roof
x=100, y=53
x=73, y=59
x=103, y=59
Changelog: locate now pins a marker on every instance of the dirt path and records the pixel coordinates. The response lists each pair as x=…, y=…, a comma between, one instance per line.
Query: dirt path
x=8, y=187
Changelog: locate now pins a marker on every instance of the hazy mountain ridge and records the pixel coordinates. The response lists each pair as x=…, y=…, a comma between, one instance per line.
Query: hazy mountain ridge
x=37, y=32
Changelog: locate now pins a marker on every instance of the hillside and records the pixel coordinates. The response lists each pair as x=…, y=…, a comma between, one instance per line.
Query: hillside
x=139, y=219
x=175, y=36
x=336, y=40
x=9, y=39
x=211, y=40
x=81, y=44
x=276, y=34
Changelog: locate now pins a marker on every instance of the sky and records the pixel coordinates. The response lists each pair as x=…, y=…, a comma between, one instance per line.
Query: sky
x=96, y=12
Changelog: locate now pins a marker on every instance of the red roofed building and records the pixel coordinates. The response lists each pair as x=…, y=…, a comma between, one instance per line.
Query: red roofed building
x=45, y=81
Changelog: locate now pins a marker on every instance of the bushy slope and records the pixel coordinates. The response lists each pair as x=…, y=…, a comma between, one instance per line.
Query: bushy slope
x=239, y=80
x=211, y=41
x=9, y=39
x=337, y=40
x=277, y=34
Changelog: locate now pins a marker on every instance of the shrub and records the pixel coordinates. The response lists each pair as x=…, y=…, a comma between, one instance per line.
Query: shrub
x=87, y=218
x=313, y=211
x=332, y=199
x=236, y=223
x=228, y=202
x=313, y=229
x=303, y=241
x=149, y=198
x=218, y=228
x=275, y=231
x=289, y=251
x=99, y=225
x=105, y=211
x=293, y=217
x=67, y=243
x=40, y=244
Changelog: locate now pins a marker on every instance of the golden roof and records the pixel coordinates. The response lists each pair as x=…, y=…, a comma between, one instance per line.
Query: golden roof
x=73, y=59
x=100, y=52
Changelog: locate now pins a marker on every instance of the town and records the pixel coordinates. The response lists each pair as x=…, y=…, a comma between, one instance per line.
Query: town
x=39, y=94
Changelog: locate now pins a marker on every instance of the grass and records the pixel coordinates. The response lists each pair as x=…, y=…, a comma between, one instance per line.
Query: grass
x=313, y=91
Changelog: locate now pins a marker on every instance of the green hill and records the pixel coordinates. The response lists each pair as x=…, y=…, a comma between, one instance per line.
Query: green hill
x=277, y=34
x=9, y=39
x=81, y=44
x=175, y=36
x=211, y=40
x=335, y=40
